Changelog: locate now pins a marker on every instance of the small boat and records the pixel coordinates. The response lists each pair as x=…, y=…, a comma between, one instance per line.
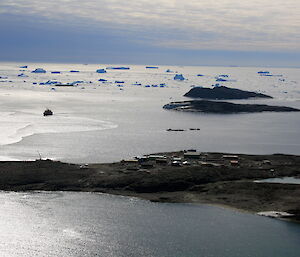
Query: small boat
x=48, y=112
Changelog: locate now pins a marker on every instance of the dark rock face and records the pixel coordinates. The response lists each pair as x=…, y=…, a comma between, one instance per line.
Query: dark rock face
x=223, y=93
x=48, y=112
x=224, y=107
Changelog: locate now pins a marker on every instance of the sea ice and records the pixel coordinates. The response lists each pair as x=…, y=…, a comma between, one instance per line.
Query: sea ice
x=221, y=79
x=101, y=71
x=179, y=77
x=22, y=75
x=39, y=70
x=117, y=68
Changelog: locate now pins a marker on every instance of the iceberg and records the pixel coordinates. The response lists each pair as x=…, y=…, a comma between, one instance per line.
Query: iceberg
x=263, y=72
x=200, y=75
x=55, y=72
x=22, y=75
x=77, y=82
x=137, y=84
x=74, y=70
x=221, y=79
x=117, y=68
x=101, y=71
x=168, y=70
x=117, y=81
x=39, y=70
x=179, y=77
x=102, y=80
x=151, y=67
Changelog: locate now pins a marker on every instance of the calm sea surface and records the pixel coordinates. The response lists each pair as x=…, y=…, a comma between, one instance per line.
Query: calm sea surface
x=87, y=224
x=107, y=121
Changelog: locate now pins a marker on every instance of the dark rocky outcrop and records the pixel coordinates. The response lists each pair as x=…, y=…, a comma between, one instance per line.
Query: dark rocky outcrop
x=223, y=93
x=224, y=107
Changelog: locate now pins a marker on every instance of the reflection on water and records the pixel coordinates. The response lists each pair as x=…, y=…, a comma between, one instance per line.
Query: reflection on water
x=100, y=121
x=87, y=224
x=283, y=180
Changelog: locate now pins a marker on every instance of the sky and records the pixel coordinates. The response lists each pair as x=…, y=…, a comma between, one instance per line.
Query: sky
x=193, y=32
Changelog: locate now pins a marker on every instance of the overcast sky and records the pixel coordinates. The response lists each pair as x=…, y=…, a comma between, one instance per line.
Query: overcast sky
x=192, y=32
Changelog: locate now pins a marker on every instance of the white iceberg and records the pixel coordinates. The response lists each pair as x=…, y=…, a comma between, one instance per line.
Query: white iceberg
x=179, y=77
x=101, y=71
x=39, y=70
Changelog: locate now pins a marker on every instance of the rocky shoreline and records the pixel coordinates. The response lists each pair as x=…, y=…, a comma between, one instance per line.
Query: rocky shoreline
x=218, y=107
x=179, y=177
x=223, y=93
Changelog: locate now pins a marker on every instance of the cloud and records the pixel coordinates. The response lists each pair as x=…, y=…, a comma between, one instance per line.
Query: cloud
x=245, y=25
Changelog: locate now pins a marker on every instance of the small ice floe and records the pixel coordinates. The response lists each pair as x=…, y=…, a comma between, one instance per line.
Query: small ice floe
x=147, y=86
x=23, y=67
x=179, y=77
x=103, y=80
x=49, y=82
x=74, y=70
x=137, y=84
x=22, y=75
x=271, y=75
x=55, y=72
x=216, y=85
x=200, y=75
x=223, y=76
x=117, y=68
x=38, y=70
x=221, y=80
x=154, y=85
x=168, y=70
x=275, y=214
x=77, y=82
x=263, y=72
x=101, y=71
x=119, y=82
x=64, y=85
x=151, y=67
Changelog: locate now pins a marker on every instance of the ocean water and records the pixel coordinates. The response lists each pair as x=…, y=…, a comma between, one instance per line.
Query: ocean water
x=104, y=122
x=107, y=121
x=89, y=224
x=283, y=180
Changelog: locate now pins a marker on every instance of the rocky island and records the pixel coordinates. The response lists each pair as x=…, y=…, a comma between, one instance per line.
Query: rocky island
x=222, y=93
x=206, y=106
x=186, y=176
